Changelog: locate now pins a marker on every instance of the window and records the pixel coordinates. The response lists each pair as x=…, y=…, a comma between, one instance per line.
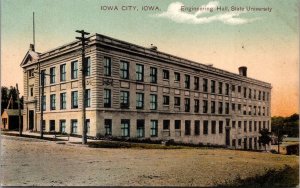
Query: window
x=108, y=127
x=233, y=107
x=259, y=125
x=233, y=142
x=250, y=126
x=245, y=110
x=107, y=66
x=240, y=124
x=205, y=127
x=250, y=94
x=239, y=108
x=196, y=106
x=125, y=127
x=186, y=104
x=87, y=98
x=88, y=127
x=233, y=124
x=186, y=81
x=177, y=124
x=239, y=142
x=196, y=83
x=73, y=126
x=177, y=101
x=255, y=126
x=74, y=99
x=233, y=88
x=74, y=70
x=31, y=73
x=63, y=101
x=213, y=127
x=107, y=98
x=220, y=127
x=87, y=67
x=166, y=100
x=139, y=72
x=52, y=125
x=139, y=100
x=197, y=127
x=259, y=110
x=153, y=75
x=52, y=75
x=153, y=102
x=140, y=128
x=239, y=89
x=187, y=129
x=220, y=107
x=177, y=77
x=220, y=87
x=31, y=91
x=245, y=126
x=205, y=106
x=43, y=72
x=213, y=86
x=227, y=108
x=263, y=96
x=124, y=70
x=154, y=128
x=52, y=102
x=213, y=107
x=44, y=103
x=62, y=125
x=205, y=83
x=124, y=99
x=166, y=74
x=249, y=109
x=254, y=94
x=259, y=95
x=166, y=124
x=226, y=89
x=245, y=92
x=63, y=72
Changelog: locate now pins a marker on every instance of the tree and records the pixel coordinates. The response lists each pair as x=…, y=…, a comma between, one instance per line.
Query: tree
x=6, y=93
x=265, y=137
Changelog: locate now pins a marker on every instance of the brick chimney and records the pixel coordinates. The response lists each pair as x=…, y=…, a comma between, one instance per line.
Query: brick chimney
x=31, y=47
x=243, y=71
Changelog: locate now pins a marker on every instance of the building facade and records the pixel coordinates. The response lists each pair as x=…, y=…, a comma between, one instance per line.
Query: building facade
x=139, y=92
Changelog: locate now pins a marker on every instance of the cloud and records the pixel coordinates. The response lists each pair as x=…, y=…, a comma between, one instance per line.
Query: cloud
x=175, y=13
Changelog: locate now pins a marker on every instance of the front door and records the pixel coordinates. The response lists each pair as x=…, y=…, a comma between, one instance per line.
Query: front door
x=31, y=119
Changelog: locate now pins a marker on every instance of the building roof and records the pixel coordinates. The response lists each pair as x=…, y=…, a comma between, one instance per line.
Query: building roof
x=290, y=139
x=12, y=112
x=150, y=52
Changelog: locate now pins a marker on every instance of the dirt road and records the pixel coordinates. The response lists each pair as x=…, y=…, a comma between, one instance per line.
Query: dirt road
x=26, y=161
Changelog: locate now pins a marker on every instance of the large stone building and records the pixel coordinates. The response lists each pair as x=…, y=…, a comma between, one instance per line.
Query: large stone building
x=139, y=92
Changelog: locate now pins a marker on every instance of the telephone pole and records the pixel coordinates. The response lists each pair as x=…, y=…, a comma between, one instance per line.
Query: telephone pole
x=19, y=108
x=84, y=41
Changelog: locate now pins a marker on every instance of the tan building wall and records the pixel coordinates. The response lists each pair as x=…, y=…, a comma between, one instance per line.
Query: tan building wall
x=101, y=47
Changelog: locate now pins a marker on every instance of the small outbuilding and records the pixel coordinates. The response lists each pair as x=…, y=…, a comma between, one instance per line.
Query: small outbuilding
x=10, y=119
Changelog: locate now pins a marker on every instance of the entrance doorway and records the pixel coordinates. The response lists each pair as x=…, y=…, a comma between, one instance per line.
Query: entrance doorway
x=31, y=119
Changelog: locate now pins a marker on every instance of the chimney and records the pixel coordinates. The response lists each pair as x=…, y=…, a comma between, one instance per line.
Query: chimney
x=31, y=47
x=243, y=71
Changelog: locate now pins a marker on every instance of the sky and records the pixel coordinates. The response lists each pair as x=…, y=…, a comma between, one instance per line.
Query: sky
x=265, y=40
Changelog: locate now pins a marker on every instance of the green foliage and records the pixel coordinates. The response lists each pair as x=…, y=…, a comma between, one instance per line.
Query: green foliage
x=265, y=137
x=6, y=93
x=286, y=125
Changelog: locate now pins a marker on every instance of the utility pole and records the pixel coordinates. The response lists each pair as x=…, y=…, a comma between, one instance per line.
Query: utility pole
x=83, y=40
x=42, y=74
x=19, y=108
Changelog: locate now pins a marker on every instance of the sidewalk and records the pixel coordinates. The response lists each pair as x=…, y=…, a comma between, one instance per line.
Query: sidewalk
x=50, y=137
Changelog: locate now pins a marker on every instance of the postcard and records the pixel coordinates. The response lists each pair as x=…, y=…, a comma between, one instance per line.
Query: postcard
x=150, y=93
